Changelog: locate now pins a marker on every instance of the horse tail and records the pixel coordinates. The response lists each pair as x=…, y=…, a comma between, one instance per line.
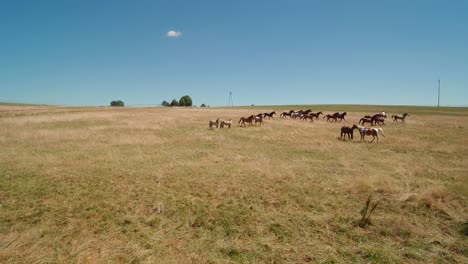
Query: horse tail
x=239, y=121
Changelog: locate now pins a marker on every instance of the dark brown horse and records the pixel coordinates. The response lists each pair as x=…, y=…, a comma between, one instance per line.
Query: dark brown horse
x=346, y=130
x=244, y=120
x=285, y=114
x=402, y=117
x=270, y=115
x=329, y=117
x=366, y=120
x=378, y=120
x=316, y=115
x=341, y=116
x=381, y=115
x=309, y=116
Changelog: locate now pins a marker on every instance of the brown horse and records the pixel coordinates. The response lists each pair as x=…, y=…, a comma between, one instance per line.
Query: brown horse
x=379, y=120
x=270, y=115
x=309, y=116
x=340, y=116
x=316, y=115
x=214, y=123
x=366, y=120
x=397, y=117
x=346, y=130
x=244, y=120
x=381, y=115
x=329, y=117
x=285, y=114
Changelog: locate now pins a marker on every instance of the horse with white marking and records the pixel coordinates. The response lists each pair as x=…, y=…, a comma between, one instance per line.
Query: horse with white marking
x=214, y=123
x=226, y=123
x=259, y=119
x=369, y=131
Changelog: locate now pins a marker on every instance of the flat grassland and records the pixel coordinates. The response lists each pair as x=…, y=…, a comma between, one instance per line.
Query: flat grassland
x=155, y=185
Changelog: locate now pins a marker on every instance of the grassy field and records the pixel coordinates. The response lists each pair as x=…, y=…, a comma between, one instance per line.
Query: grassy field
x=155, y=185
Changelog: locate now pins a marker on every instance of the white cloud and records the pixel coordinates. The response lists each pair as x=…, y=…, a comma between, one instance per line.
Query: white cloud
x=173, y=34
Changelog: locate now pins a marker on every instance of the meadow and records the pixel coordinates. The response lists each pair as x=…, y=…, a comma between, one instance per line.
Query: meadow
x=155, y=185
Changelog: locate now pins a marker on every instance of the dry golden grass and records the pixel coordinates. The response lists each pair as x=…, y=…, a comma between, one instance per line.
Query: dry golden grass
x=146, y=185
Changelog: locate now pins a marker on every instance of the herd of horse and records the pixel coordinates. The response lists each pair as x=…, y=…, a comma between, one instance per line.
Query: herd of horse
x=373, y=120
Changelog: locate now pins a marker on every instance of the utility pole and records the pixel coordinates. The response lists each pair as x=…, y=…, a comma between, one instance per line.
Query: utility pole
x=438, y=95
x=231, y=102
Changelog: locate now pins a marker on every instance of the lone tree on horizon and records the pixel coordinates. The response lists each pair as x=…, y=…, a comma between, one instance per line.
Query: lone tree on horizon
x=117, y=103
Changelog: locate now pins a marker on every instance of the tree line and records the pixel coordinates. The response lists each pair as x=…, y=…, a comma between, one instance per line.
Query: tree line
x=183, y=101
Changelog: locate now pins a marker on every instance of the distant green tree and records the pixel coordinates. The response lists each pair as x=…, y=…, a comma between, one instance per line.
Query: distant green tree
x=182, y=101
x=165, y=103
x=174, y=103
x=117, y=103
x=203, y=105
x=185, y=101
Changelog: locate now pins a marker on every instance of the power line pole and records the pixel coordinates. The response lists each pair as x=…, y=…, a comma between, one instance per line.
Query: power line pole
x=231, y=102
x=438, y=95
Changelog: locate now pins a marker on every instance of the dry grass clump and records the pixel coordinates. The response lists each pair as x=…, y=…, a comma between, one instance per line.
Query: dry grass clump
x=381, y=184
x=436, y=198
x=400, y=227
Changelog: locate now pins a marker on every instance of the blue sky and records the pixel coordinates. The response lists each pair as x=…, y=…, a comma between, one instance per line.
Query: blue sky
x=90, y=52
